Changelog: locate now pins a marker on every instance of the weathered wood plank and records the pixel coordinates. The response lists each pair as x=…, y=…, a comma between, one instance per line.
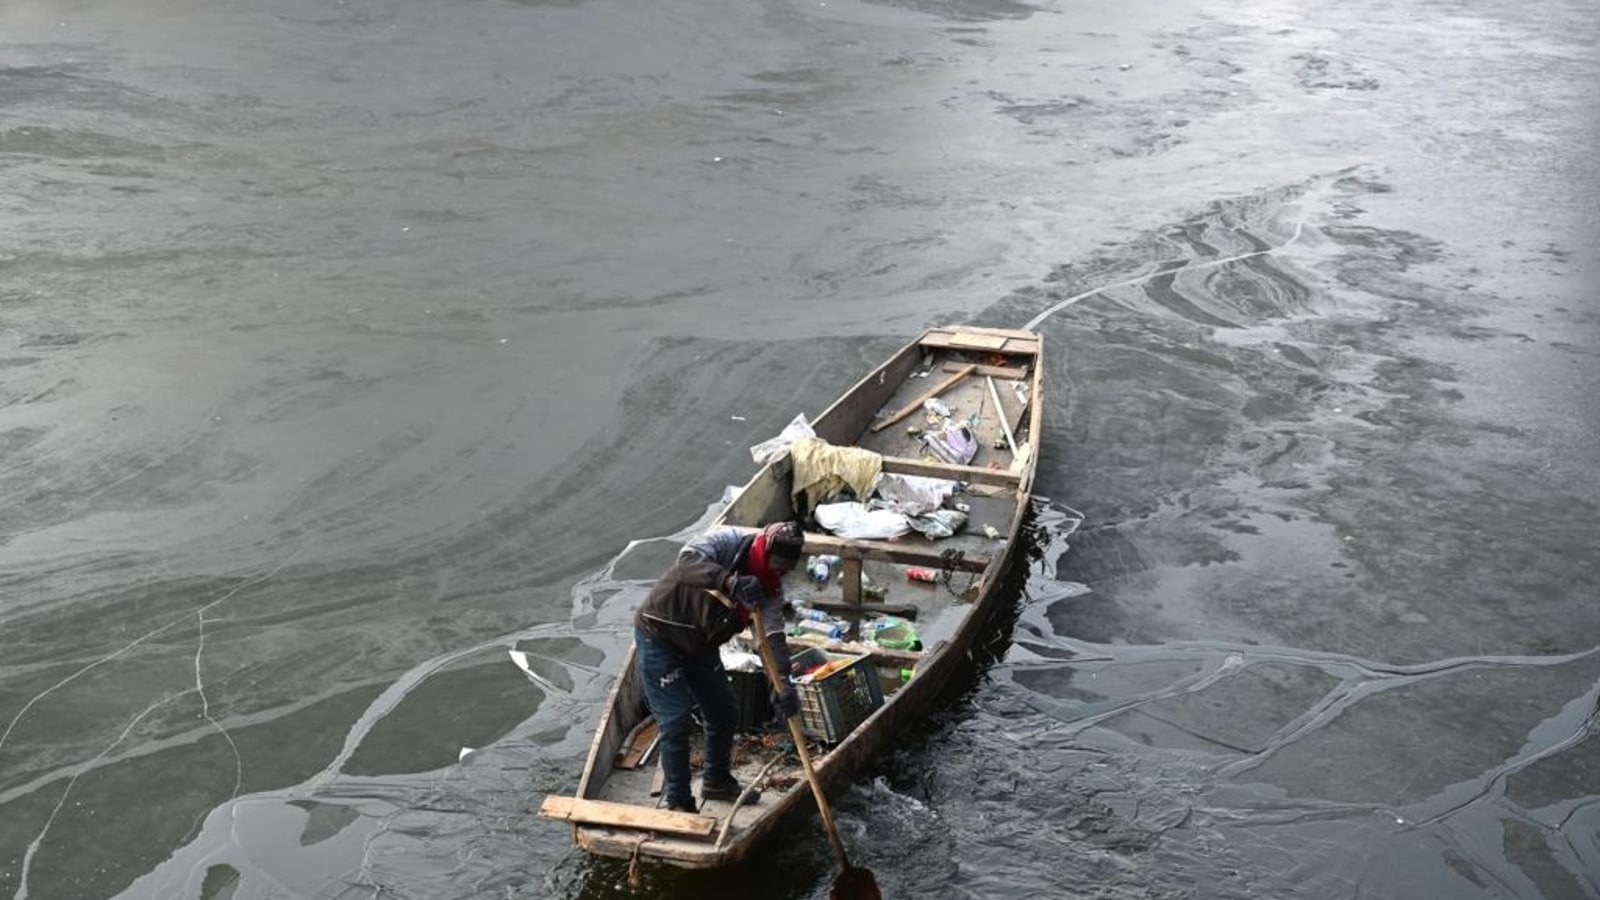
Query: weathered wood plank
x=906, y=553
x=965, y=340
x=1000, y=410
x=931, y=393
x=850, y=578
x=1004, y=372
x=978, y=341
x=919, y=554
x=903, y=610
x=900, y=659
x=625, y=815
x=902, y=465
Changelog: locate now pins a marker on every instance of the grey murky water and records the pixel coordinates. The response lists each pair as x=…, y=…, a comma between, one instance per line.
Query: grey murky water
x=347, y=346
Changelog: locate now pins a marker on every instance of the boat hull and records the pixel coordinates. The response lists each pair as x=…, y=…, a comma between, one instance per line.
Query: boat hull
x=872, y=415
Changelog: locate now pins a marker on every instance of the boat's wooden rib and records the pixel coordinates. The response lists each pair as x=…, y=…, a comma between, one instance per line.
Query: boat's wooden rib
x=903, y=610
x=902, y=659
x=900, y=465
x=615, y=810
x=1003, y=372
x=919, y=553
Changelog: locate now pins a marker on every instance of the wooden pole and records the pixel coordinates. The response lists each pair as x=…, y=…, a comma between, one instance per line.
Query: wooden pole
x=1001, y=412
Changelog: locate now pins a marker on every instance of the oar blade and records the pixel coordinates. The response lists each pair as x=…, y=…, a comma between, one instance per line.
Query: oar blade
x=855, y=883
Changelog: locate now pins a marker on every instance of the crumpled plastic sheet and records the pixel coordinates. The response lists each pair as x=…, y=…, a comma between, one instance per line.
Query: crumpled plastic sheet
x=938, y=523
x=913, y=494
x=773, y=449
x=855, y=520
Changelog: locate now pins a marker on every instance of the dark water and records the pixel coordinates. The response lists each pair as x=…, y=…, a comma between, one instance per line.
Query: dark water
x=347, y=346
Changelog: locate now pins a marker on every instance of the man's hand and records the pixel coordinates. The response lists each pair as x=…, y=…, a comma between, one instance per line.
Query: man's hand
x=747, y=590
x=787, y=703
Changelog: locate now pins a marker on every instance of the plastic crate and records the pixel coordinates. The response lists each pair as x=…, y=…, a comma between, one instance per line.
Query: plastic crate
x=831, y=707
x=754, y=695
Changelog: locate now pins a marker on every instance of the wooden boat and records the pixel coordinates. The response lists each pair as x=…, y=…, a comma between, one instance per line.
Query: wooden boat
x=989, y=378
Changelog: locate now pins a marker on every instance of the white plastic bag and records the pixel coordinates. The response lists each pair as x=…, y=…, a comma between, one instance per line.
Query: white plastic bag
x=739, y=660
x=855, y=520
x=773, y=449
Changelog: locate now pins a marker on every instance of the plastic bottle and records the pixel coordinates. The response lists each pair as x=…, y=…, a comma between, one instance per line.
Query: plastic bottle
x=815, y=615
x=819, y=571
x=820, y=568
x=832, y=628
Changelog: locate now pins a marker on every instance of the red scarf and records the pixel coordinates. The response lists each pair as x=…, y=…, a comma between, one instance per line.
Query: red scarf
x=759, y=568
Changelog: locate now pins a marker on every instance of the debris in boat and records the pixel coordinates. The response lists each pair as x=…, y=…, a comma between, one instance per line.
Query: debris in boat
x=826, y=626
x=990, y=532
x=954, y=444
x=823, y=470
x=927, y=398
x=937, y=407
x=938, y=523
x=913, y=494
x=821, y=568
x=892, y=633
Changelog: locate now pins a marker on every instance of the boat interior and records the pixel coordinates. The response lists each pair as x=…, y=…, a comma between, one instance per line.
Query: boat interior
x=986, y=380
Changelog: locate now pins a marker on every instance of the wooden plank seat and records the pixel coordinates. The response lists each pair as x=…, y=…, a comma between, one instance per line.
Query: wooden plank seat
x=899, y=659
x=991, y=340
x=883, y=551
x=1006, y=372
x=627, y=815
x=903, y=465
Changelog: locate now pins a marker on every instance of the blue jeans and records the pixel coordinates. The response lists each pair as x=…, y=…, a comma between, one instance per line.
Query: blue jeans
x=674, y=684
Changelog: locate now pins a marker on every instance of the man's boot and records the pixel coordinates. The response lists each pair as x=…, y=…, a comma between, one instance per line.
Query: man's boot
x=726, y=789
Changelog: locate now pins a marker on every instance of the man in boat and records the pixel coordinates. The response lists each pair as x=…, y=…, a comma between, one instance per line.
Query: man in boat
x=679, y=629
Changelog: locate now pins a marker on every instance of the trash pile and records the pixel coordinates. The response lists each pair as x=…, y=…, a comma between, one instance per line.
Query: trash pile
x=888, y=632
x=849, y=495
